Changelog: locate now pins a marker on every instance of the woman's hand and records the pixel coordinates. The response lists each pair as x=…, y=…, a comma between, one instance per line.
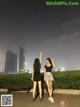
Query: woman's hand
x=32, y=78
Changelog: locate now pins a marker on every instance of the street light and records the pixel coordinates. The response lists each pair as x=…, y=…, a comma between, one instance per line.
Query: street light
x=62, y=69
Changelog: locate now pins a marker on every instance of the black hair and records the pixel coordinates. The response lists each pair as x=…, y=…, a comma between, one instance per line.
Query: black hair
x=37, y=64
x=49, y=59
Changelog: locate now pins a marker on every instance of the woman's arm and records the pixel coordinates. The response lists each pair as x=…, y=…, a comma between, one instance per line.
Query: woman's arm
x=53, y=63
x=44, y=70
x=40, y=57
x=32, y=73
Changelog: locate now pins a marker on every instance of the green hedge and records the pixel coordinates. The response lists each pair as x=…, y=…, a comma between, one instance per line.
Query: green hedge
x=63, y=80
x=67, y=80
x=16, y=81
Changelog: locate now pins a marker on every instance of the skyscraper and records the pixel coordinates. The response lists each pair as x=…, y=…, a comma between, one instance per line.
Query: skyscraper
x=11, y=62
x=21, y=58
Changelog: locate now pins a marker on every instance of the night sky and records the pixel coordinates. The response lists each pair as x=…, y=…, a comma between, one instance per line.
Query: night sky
x=54, y=30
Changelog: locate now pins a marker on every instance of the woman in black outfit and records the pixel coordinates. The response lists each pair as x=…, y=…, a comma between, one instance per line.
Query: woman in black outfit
x=48, y=77
x=36, y=77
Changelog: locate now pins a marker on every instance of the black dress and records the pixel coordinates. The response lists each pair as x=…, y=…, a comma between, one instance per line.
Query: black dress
x=37, y=76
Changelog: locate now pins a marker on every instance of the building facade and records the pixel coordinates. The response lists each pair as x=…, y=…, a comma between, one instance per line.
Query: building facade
x=11, y=62
x=21, y=59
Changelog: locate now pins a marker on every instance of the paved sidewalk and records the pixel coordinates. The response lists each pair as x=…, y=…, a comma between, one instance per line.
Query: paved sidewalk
x=25, y=100
x=56, y=91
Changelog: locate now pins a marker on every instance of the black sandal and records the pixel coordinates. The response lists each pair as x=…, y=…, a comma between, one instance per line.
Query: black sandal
x=33, y=99
x=40, y=99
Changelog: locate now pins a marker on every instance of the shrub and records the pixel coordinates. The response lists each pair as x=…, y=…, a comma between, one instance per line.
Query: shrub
x=67, y=80
x=63, y=80
x=16, y=81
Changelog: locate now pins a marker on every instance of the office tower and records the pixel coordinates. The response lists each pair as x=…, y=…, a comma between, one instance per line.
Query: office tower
x=11, y=62
x=21, y=59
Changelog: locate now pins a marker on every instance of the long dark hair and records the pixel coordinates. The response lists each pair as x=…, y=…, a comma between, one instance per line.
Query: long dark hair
x=37, y=64
x=49, y=59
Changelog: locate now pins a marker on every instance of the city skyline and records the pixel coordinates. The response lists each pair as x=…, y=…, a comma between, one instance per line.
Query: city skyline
x=54, y=30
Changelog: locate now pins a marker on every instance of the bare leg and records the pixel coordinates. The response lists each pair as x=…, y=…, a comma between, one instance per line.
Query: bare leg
x=48, y=86
x=40, y=89
x=51, y=88
x=51, y=91
x=34, y=88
